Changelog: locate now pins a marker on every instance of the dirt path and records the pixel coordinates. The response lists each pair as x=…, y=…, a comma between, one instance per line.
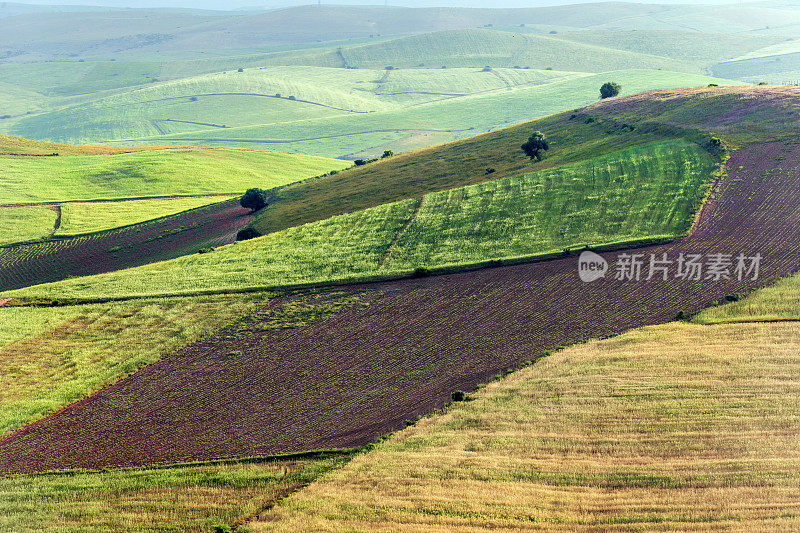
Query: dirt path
x=57, y=224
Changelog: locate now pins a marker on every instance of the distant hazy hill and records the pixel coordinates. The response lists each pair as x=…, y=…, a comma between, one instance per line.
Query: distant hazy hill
x=39, y=34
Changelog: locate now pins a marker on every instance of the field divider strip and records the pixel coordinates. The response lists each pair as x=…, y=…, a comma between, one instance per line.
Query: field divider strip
x=308, y=454
x=66, y=237
x=367, y=279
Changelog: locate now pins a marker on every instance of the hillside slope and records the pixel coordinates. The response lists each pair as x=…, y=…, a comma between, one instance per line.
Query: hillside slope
x=358, y=362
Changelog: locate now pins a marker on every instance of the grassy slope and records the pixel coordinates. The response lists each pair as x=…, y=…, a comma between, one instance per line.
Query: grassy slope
x=477, y=47
x=151, y=173
x=741, y=115
x=648, y=191
x=444, y=120
x=20, y=224
x=96, y=216
x=158, y=108
x=184, y=498
x=642, y=192
x=410, y=175
x=778, y=302
x=685, y=45
x=673, y=427
x=53, y=357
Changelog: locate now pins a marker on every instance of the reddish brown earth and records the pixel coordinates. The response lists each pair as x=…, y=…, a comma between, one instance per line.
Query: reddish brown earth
x=130, y=246
x=362, y=372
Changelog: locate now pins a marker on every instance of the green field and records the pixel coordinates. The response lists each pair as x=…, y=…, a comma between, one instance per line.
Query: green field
x=183, y=498
x=80, y=217
x=402, y=127
x=221, y=101
x=151, y=173
x=644, y=192
x=20, y=224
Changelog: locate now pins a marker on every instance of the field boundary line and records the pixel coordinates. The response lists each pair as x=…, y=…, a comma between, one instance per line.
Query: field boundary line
x=57, y=223
x=752, y=320
x=309, y=454
x=287, y=141
x=400, y=232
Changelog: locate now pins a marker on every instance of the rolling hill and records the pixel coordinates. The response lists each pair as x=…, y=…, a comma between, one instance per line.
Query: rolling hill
x=53, y=190
x=174, y=77
x=156, y=374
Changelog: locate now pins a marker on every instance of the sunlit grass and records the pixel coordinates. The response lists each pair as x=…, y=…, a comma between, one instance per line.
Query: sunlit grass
x=180, y=499
x=152, y=173
x=19, y=224
x=636, y=193
x=50, y=357
x=87, y=217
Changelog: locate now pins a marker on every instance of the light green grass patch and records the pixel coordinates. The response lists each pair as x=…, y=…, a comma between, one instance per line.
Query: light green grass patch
x=453, y=118
x=20, y=224
x=780, y=301
x=152, y=173
x=183, y=498
x=647, y=191
x=80, y=217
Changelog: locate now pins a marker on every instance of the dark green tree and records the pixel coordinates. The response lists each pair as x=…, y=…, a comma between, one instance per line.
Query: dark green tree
x=609, y=89
x=536, y=146
x=387, y=153
x=254, y=199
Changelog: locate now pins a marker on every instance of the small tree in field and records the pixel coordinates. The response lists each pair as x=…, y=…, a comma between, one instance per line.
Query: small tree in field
x=387, y=153
x=609, y=89
x=254, y=199
x=536, y=146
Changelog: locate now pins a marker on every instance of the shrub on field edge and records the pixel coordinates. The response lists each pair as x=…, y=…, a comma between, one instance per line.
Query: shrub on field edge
x=246, y=234
x=254, y=199
x=222, y=528
x=387, y=153
x=458, y=396
x=420, y=272
x=610, y=89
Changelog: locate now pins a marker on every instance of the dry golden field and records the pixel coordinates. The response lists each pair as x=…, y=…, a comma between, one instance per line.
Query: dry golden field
x=673, y=427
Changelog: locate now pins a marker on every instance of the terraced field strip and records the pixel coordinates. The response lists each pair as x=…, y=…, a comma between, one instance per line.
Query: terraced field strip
x=362, y=361
x=138, y=244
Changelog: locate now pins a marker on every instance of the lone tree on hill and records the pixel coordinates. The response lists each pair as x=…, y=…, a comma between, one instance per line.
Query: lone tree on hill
x=536, y=146
x=609, y=89
x=254, y=199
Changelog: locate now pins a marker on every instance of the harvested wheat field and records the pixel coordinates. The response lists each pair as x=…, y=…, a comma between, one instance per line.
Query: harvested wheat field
x=671, y=427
